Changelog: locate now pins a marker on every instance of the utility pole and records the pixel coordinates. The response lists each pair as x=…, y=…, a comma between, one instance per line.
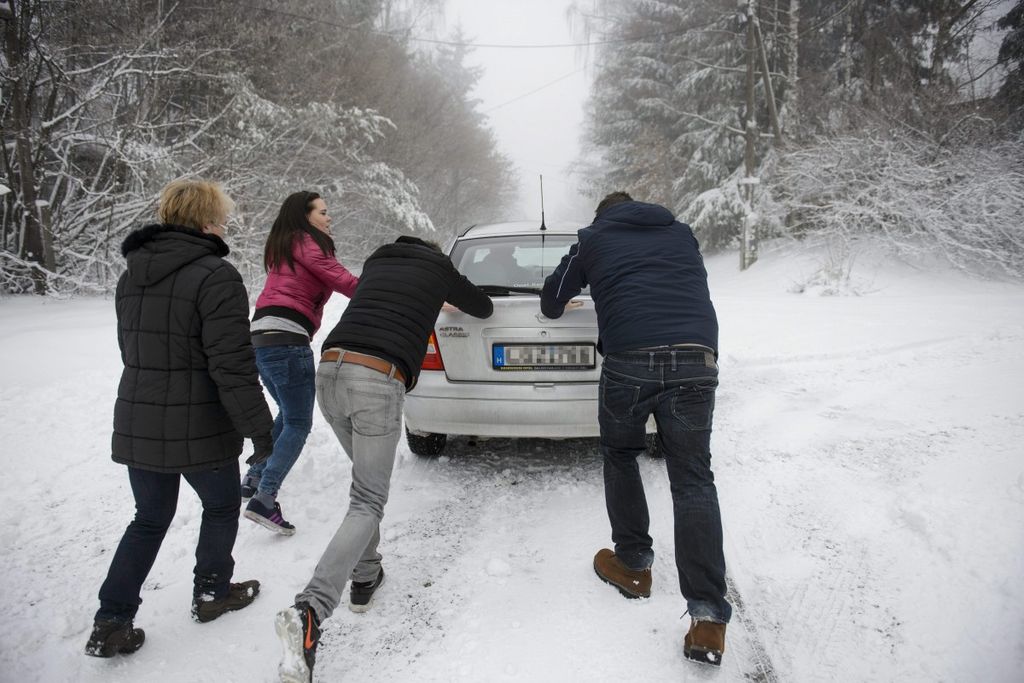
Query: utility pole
x=748, y=240
x=766, y=78
x=757, y=58
x=792, y=102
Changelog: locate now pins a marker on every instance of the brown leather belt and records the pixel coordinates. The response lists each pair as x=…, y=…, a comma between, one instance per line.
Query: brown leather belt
x=372, y=362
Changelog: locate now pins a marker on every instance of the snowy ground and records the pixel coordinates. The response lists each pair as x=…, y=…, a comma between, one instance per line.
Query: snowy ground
x=870, y=460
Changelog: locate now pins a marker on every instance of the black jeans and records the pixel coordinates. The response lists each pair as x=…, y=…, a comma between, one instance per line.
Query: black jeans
x=156, y=499
x=678, y=387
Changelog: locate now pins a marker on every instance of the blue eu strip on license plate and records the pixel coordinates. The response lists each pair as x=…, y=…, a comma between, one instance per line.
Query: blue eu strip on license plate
x=543, y=356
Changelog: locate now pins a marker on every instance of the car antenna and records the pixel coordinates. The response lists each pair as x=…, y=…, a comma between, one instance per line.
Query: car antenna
x=542, y=226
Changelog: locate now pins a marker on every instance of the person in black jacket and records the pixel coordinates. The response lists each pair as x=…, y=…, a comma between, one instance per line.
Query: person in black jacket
x=658, y=333
x=370, y=359
x=188, y=395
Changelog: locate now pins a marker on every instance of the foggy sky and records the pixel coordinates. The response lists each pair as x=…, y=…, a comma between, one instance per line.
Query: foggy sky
x=540, y=132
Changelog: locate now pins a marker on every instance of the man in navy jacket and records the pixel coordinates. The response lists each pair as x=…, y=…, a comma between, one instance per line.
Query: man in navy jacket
x=658, y=334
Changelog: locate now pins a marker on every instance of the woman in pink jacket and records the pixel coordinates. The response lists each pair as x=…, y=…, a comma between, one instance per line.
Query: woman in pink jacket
x=302, y=272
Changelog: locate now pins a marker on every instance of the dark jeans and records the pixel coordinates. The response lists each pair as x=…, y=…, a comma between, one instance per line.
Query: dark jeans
x=678, y=387
x=289, y=375
x=156, y=498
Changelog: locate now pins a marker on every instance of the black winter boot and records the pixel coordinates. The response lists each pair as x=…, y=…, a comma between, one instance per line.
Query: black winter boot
x=112, y=637
x=206, y=608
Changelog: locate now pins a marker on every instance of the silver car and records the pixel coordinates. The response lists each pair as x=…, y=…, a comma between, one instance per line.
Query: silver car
x=517, y=373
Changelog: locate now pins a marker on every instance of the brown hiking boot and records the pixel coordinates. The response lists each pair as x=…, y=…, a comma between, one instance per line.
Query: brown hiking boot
x=705, y=642
x=630, y=582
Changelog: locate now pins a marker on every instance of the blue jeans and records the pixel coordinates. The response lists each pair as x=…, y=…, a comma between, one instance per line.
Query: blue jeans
x=156, y=499
x=288, y=373
x=678, y=387
x=364, y=408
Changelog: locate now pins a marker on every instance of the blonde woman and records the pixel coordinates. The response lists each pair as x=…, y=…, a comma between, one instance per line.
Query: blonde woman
x=188, y=395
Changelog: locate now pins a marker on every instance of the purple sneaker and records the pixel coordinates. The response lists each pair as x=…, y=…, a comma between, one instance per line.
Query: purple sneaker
x=271, y=518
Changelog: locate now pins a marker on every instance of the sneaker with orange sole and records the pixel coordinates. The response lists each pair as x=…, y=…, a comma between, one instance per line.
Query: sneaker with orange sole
x=299, y=631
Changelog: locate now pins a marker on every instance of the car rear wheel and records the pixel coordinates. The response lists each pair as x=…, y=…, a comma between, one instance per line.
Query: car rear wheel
x=426, y=444
x=653, y=447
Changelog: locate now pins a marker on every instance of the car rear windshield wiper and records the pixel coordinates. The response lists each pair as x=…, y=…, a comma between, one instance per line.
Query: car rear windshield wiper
x=505, y=290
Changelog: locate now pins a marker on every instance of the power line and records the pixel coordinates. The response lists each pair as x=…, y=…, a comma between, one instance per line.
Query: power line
x=535, y=90
x=455, y=43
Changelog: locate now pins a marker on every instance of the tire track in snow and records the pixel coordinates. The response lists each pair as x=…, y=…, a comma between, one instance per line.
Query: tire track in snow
x=763, y=670
x=422, y=547
x=434, y=555
x=419, y=593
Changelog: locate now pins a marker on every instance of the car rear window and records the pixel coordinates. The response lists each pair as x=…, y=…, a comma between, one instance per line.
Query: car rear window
x=510, y=261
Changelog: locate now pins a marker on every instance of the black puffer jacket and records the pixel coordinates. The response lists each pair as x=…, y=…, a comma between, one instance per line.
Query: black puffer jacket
x=189, y=391
x=401, y=290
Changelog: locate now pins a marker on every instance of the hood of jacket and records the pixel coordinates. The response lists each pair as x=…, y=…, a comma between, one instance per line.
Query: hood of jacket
x=409, y=239
x=636, y=213
x=408, y=246
x=156, y=251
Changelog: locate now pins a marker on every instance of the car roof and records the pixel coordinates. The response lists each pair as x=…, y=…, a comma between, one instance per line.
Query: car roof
x=521, y=228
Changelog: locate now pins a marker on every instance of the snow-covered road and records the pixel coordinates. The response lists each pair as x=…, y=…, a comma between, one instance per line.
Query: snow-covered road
x=870, y=465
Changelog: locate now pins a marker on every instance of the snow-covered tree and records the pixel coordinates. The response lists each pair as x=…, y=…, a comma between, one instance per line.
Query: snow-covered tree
x=666, y=106
x=1011, y=54
x=89, y=121
x=913, y=195
x=104, y=102
x=442, y=143
x=668, y=112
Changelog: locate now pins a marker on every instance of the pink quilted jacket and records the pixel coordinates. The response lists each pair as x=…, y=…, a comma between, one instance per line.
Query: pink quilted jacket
x=307, y=288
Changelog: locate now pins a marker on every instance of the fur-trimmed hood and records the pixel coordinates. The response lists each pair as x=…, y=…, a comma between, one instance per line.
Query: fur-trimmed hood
x=157, y=250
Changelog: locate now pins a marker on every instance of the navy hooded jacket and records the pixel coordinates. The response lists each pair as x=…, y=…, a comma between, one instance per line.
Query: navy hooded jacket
x=646, y=277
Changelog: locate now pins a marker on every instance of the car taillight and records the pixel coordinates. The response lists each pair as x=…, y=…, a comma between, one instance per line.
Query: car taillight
x=432, y=361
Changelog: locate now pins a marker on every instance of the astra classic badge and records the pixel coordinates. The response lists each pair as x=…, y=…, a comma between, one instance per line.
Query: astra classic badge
x=452, y=331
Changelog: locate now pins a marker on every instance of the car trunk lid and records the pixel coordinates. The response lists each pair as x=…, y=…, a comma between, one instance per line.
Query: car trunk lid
x=518, y=344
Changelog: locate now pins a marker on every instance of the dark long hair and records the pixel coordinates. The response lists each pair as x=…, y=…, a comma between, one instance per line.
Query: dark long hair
x=290, y=224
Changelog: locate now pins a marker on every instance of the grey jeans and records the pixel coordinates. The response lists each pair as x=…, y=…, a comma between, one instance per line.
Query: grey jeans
x=364, y=408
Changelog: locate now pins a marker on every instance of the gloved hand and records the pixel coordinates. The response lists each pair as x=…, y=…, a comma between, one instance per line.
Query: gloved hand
x=263, y=448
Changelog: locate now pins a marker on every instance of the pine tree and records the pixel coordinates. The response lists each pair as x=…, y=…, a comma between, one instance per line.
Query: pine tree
x=665, y=109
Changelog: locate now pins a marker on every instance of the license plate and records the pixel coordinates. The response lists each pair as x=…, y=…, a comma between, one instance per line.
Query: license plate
x=543, y=356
